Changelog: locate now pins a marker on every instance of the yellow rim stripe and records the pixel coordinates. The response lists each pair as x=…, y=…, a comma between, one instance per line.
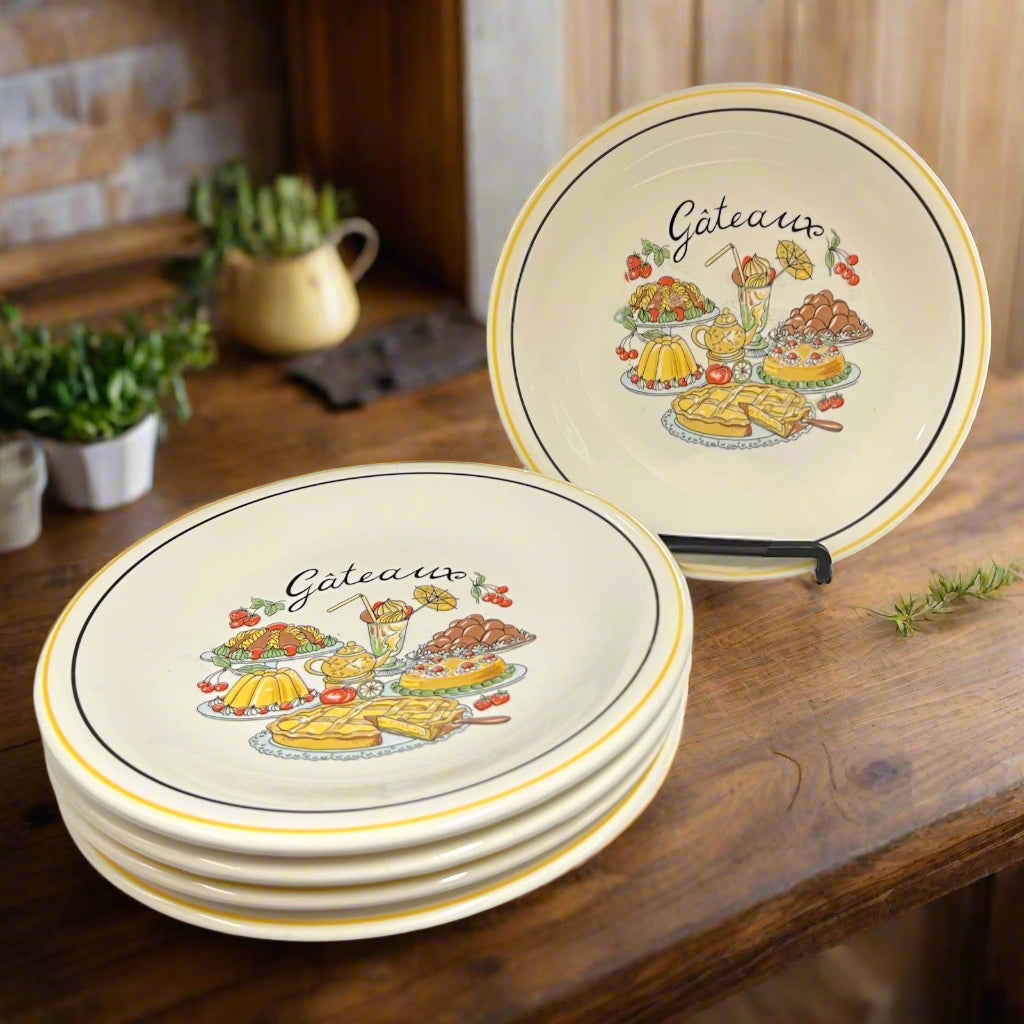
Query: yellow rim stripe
x=394, y=915
x=200, y=820
x=865, y=122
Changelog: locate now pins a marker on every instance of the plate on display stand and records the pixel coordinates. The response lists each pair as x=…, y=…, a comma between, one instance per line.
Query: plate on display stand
x=715, y=198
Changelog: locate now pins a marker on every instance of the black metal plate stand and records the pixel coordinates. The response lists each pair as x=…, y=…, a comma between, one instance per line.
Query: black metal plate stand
x=758, y=548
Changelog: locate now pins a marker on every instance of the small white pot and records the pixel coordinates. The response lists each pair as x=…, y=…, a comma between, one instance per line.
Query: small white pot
x=104, y=474
x=22, y=482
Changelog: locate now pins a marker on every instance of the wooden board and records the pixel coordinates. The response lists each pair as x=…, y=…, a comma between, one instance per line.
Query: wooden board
x=1001, y=997
x=376, y=104
x=39, y=264
x=831, y=775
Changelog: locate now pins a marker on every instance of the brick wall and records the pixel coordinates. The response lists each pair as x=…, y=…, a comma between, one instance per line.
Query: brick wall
x=109, y=107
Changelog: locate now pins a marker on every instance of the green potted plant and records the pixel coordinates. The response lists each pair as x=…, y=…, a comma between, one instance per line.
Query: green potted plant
x=93, y=396
x=273, y=249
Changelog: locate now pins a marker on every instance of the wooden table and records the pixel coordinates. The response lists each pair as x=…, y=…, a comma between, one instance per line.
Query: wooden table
x=831, y=775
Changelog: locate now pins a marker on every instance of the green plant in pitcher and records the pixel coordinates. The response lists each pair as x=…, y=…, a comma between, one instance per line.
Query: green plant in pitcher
x=284, y=218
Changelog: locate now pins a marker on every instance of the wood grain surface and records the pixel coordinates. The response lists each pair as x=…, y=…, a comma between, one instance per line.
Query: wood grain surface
x=376, y=105
x=830, y=775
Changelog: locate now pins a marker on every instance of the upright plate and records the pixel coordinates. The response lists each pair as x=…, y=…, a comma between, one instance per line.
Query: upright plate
x=831, y=202
x=116, y=685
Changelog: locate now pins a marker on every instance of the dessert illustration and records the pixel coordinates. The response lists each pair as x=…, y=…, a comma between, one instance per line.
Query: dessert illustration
x=755, y=271
x=387, y=630
x=421, y=719
x=275, y=641
x=822, y=317
x=753, y=276
x=666, y=363
x=669, y=300
x=263, y=693
x=443, y=675
x=369, y=698
x=475, y=635
x=728, y=410
x=331, y=727
x=363, y=725
x=387, y=622
x=805, y=365
x=391, y=611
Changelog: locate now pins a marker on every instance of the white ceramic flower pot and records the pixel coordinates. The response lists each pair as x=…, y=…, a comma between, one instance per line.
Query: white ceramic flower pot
x=104, y=474
x=22, y=482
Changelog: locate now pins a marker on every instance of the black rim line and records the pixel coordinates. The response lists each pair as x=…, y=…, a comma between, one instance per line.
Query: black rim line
x=342, y=480
x=800, y=117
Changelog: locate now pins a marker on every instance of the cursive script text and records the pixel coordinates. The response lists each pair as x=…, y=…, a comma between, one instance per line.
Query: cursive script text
x=681, y=227
x=311, y=581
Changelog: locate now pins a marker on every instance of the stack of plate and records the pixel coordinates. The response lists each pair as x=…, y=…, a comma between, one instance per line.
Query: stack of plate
x=366, y=701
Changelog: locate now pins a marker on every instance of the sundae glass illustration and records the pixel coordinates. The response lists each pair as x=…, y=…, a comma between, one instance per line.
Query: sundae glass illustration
x=387, y=622
x=753, y=277
x=387, y=629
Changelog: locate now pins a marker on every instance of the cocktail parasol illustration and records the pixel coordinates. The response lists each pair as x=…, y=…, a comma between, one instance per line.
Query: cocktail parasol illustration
x=387, y=622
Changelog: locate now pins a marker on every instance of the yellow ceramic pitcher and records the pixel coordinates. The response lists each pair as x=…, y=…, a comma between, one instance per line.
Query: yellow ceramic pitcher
x=296, y=304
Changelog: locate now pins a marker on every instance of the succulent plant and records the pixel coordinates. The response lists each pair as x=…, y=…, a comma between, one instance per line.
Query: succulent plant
x=286, y=217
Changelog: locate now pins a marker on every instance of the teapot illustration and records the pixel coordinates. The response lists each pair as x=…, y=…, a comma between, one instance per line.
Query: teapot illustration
x=724, y=338
x=347, y=666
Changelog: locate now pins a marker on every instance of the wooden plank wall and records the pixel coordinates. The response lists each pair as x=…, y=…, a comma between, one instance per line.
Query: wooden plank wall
x=942, y=74
x=376, y=104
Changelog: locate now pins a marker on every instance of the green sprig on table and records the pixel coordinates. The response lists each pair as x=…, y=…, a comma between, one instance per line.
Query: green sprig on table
x=946, y=593
x=91, y=384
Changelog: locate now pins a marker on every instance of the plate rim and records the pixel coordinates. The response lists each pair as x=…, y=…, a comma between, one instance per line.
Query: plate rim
x=495, y=837
x=953, y=436
x=495, y=893
x=242, y=835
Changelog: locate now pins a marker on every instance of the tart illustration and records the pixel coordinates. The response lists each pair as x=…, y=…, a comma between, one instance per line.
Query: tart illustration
x=358, y=726
x=805, y=365
x=439, y=675
x=729, y=410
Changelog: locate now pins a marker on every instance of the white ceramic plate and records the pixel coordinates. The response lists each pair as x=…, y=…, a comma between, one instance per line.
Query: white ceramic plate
x=333, y=926
x=115, y=687
x=470, y=875
x=752, y=167
x=445, y=855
